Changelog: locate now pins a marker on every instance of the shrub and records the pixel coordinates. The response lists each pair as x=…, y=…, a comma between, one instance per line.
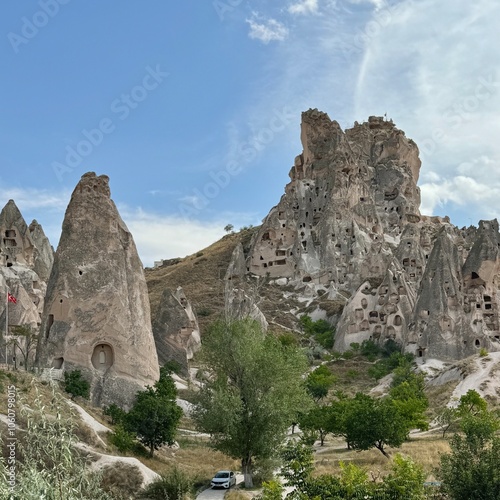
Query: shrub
x=121, y=480
x=271, y=490
x=204, y=311
x=483, y=352
x=122, y=439
x=116, y=413
x=173, y=366
x=174, y=485
x=76, y=385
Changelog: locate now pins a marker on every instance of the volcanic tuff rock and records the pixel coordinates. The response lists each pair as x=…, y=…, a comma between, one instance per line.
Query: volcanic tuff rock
x=26, y=258
x=96, y=316
x=348, y=228
x=175, y=329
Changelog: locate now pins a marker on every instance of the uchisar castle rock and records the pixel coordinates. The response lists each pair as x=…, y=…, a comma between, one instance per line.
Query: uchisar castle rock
x=346, y=243
x=348, y=230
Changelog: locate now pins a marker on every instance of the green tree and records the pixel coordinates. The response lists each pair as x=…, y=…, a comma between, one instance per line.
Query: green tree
x=229, y=228
x=374, y=423
x=76, y=385
x=254, y=393
x=410, y=400
x=319, y=381
x=471, y=403
x=472, y=469
x=317, y=419
x=298, y=464
x=155, y=415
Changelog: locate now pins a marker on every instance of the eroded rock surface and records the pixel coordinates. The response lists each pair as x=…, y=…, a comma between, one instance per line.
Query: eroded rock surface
x=26, y=258
x=96, y=316
x=176, y=330
x=349, y=227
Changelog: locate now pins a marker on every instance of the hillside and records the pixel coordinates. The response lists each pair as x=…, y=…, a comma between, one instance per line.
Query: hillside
x=201, y=276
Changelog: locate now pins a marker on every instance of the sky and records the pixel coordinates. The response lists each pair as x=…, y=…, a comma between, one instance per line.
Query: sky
x=192, y=108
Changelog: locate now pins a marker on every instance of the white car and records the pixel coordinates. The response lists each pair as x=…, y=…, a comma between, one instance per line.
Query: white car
x=223, y=479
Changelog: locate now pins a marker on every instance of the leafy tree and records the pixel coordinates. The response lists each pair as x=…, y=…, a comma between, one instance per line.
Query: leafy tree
x=254, y=393
x=319, y=381
x=298, y=464
x=472, y=468
x=446, y=418
x=25, y=342
x=117, y=414
x=229, y=228
x=471, y=403
x=406, y=480
x=317, y=419
x=155, y=415
x=375, y=423
x=76, y=385
x=407, y=394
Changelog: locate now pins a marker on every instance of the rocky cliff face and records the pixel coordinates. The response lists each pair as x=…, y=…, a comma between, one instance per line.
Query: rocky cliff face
x=96, y=316
x=349, y=228
x=26, y=259
x=175, y=329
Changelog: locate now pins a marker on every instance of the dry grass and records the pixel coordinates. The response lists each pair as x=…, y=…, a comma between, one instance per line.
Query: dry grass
x=423, y=450
x=201, y=276
x=439, y=396
x=194, y=457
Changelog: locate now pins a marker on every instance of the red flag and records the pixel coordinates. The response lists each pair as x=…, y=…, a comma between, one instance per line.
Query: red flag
x=11, y=298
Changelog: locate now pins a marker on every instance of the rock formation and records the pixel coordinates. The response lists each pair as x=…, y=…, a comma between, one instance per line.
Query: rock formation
x=96, y=316
x=176, y=330
x=349, y=227
x=26, y=258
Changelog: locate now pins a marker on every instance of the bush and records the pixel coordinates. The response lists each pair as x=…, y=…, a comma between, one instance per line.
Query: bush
x=76, y=385
x=116, y=413
x=173, y=366
x=121, y=480
x=320, y=330
x=483, y=352
x=271, y=490
x=122, y=439
x=173, y=485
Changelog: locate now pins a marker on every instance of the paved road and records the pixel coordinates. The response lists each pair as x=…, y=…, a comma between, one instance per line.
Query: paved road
x=218, y=494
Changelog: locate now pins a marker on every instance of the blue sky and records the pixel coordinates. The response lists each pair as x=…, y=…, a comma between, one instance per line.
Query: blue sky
x=193, y=108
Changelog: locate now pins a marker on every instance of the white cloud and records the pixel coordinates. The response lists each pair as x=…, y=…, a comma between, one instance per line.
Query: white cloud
x=266, y=30
x=439, y=81
x=304, y=7
x=164, y=236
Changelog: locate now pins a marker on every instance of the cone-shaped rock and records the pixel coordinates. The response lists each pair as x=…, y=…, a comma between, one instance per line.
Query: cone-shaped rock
x=96, y=316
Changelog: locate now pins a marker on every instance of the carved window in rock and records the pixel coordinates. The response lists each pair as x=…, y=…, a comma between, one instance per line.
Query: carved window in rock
x=57, y=363
x=477, y=343
x=398, y=320
x=102, y=357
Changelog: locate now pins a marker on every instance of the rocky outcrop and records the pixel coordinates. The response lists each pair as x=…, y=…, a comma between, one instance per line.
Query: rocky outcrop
x=349, y=227
x=175, y=328
x=26, y=258
x=96, y=316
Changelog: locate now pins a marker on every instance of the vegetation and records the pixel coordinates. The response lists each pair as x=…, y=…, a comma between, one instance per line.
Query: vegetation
x=472, y=469
x=25, y=342
x=254, y=393
x=320, y=330
x=48, y=463
x=405, y=481
x=172, y=485
x=155, y=415
x=76, y=385
x=319, y=381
